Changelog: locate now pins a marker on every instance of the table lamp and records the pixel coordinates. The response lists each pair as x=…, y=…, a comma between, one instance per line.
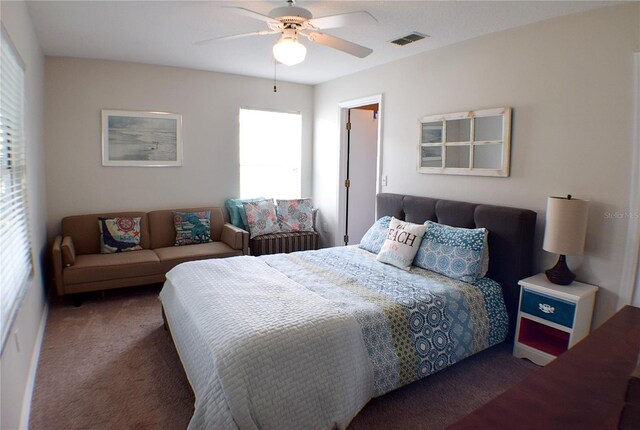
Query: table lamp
x=564, y=234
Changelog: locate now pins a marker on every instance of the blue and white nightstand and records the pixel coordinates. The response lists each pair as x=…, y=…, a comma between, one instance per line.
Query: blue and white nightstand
x=551, y=318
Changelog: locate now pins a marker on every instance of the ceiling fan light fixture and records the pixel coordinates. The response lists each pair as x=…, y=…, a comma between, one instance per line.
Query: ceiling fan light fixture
x=289, y=51
x=292, y=21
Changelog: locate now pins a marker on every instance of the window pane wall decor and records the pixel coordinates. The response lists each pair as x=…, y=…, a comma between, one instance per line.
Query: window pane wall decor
x=466, y=143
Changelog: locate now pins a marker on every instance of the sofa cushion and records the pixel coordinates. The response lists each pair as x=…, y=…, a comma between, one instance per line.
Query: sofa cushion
x=85, y=230
x=172, y=255
x=119, y=234
x=192, y=227
x=101, y=267
x=163, y=232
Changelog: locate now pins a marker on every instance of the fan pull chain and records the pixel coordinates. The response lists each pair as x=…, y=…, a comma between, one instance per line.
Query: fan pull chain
x=275, y=66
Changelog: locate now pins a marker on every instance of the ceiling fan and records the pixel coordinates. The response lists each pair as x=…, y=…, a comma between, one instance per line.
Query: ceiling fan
x=292, y=21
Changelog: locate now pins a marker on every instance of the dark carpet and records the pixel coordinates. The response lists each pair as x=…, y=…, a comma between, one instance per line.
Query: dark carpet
x=109, y=364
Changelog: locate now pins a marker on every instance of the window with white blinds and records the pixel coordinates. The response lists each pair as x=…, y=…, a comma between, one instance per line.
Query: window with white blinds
x=15, y=244
x=270, y=154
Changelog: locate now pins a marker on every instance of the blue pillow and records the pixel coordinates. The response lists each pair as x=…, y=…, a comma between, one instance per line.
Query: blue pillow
x=236, y=211
x=458, y=253
x=374, y=238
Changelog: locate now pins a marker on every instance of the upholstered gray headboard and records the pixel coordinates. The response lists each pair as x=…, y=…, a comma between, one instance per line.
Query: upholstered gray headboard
x=511, y=233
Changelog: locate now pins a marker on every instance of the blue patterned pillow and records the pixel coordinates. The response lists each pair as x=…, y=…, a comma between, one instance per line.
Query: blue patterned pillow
x=458, y=253
x=192, y=227
x=374, y=238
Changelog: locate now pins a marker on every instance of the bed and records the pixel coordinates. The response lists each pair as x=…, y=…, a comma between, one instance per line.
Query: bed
x=305, y=340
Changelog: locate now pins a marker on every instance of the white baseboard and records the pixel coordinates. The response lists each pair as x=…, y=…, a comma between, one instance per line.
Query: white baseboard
x=33, y=368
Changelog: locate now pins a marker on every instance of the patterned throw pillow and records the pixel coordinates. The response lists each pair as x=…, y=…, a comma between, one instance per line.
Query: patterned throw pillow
x=295, y=215
x=261, y=217
x=374, y=237
x=402, y=243
x=119, y=234
x=458, y=253
x=236, y=211
x=192, y=227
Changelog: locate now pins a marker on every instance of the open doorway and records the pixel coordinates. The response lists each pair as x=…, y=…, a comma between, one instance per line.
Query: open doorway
x=630, y=281
x=359, y=167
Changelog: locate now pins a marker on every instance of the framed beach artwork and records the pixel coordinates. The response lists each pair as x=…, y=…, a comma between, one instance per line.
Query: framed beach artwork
x=132, y=138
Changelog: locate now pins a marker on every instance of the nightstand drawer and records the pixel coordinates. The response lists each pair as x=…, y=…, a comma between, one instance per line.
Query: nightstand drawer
x=548, y=308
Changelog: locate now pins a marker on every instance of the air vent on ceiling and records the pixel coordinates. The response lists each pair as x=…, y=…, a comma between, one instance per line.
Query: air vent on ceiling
x=409, y=38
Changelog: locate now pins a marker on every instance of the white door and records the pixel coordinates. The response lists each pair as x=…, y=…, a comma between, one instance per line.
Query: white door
x=362, y=168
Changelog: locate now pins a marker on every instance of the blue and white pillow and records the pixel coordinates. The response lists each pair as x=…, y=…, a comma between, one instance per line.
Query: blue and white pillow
x=192, y=227
x=374, y=238
x=458, y=253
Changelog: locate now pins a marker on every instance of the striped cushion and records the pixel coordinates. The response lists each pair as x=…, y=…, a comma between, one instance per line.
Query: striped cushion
x=275, y=243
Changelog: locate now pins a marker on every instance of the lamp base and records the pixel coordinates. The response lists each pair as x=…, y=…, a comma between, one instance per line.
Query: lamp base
x=560, y=273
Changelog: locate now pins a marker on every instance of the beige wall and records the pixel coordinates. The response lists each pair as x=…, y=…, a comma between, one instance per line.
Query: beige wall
x=569, y=81
x=76, y=90
x=17, y=363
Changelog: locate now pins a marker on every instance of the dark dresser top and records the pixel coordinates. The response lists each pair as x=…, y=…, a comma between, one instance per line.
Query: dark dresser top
x=584, y=388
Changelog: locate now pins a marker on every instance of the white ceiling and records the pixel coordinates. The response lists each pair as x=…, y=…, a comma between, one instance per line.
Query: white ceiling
x=163, y=32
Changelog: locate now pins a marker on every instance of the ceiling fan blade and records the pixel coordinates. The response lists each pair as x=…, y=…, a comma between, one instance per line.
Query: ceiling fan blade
x=343, y=20
x=251, y=14
x=339, y=44
x=237, y=36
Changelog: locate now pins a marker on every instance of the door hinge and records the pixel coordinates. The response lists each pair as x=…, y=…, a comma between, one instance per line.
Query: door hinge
x=346, y=238
x=347, y=183
x=348, y=126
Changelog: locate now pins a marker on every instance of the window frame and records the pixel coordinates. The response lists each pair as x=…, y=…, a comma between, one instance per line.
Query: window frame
x=298, y=166
x=16, y=251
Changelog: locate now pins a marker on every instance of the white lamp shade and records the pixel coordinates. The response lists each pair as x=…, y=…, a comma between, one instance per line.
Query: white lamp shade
x=289, y=51
x=566, y=225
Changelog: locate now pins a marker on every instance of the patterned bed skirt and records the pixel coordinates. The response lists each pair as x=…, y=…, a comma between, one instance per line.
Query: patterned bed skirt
x=276, y=243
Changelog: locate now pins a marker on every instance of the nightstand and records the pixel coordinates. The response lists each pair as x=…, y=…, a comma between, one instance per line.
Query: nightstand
x=551, y=318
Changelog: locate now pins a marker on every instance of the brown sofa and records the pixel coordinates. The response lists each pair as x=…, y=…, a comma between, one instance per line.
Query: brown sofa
x=80, y=267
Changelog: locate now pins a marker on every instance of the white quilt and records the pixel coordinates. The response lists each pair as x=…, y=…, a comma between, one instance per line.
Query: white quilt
x=302, y=341
x=271, y=346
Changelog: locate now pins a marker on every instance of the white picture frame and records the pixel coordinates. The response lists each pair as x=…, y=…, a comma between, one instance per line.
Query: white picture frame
x=139, y=138
x=474, y=146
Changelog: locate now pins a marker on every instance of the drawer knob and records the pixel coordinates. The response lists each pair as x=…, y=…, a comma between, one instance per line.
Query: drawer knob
x=547, y=309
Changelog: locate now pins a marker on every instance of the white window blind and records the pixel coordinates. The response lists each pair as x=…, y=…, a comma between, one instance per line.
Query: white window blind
x=270, y=154
x=15, y=244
